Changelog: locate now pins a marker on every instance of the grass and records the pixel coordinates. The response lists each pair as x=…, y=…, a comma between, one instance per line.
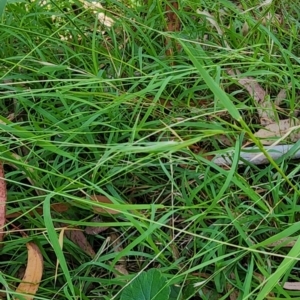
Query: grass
x=107, y=112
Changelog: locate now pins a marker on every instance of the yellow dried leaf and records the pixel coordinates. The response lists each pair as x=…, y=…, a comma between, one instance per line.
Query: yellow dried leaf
x=33, y=273
x=61, y=244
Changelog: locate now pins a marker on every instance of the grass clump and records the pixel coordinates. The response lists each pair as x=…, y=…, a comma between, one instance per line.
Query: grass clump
x=134, y=112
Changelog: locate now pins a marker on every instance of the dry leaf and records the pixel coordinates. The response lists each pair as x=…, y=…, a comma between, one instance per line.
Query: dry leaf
x=103, y=199
x=278, y=130
x=2, y=202
x=245, y=29
x=122, y=263
x=294, y=286
x=95, y=229
x=281, y=96
x=33, y=273
x=61, y=244
x=284, y=242
x=78, y=237
x=121, y=269
x=264, y=106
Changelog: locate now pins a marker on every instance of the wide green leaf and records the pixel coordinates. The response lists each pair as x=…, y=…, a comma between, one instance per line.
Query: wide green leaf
x=150, y=285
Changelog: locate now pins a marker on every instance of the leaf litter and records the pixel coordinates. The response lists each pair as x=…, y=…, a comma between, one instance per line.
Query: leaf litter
x=265, y=108
x=273, y=129
x=77, y=236
x=105, y=200
x=92, y=230
x=33, y=273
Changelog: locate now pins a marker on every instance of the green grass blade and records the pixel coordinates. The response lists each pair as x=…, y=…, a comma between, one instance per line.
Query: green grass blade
x=274, y=278
x=52, y=234
x=214, y=87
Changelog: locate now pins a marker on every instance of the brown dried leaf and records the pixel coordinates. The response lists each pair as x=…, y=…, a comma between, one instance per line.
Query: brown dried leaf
x=95, y=229
x=264, y=106
x=78, y=237
x=33, y=273
x=122, y=263
x=2, y=202
x=103, y=199
x=114, y=242
x=121, y=269
x=278, y=130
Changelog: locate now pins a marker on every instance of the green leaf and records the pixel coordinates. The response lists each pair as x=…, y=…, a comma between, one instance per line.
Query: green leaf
x=150, y=285
x=2, y=7
x=280, y=271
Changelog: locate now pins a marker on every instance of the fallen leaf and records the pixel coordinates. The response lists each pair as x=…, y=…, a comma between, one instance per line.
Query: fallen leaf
x=294, y=286
x=33, y=273
x=245, y=29
x=264, y=106
x=115, y=242
x=78, y=237
x=278, y=130
x=284, y=242
x=103, y=199
x=95, y=229
x=2, y=202
x=281, y=96
x=61, y=244
x=121, y=269
x=122, y=263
